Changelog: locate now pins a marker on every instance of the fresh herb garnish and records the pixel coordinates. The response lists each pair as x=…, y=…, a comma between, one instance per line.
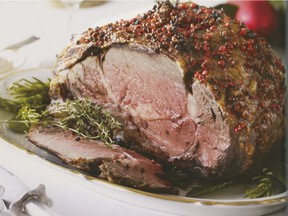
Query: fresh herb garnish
x=32, y=94
x=29, y=102
x=9, y=105
x=268, y=183
x=86, y=119
x=83, y=117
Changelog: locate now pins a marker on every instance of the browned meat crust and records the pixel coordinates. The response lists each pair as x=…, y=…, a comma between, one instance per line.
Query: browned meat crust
x=227, y=83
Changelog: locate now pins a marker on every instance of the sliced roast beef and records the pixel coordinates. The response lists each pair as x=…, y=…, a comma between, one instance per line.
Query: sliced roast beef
x=113, y=163
x=195, y=89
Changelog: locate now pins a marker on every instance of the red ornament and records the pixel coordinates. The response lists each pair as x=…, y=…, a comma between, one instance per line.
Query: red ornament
x=259, y=16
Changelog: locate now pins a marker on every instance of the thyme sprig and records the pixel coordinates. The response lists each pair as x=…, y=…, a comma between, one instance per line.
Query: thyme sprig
x=86, y=119
x=82, y=117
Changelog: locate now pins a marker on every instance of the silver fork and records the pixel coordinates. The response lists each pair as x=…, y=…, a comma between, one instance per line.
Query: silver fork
x=21, y=43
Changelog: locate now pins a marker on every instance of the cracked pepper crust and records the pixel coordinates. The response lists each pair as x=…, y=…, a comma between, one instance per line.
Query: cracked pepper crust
x=234, y=63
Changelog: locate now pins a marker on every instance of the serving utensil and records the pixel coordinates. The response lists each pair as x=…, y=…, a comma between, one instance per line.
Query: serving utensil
x=20, y=200
x=22, y=43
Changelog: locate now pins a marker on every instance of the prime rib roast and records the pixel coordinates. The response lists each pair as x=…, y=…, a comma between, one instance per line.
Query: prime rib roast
x=195, y=90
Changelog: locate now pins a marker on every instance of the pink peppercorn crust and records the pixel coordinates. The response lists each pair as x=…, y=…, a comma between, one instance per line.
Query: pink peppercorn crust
x=234, y=63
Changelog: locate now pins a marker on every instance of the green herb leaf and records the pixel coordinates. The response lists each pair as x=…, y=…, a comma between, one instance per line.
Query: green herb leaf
x=267, y=184
x=83, y=117
x=30, y=100
x=9, y=105
x=86, y=119
x=31, y=93
x=17, y=125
